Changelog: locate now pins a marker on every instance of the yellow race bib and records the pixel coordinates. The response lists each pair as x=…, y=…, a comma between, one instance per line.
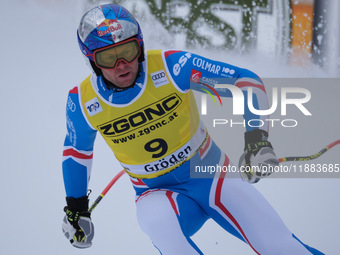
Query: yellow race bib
x=154, y=133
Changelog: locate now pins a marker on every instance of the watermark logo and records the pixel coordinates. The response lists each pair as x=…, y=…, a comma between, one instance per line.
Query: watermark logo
x=238, y=100
x=204, y=98
x=293, y=96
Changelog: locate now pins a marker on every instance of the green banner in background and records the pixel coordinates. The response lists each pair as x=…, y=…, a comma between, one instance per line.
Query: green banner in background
x=203, y=13
x=222, y=24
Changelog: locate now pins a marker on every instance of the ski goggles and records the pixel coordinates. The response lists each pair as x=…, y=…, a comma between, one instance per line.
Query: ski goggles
x=108, y=57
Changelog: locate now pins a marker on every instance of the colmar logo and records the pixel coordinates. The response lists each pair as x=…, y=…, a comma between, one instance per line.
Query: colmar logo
x=108, y=26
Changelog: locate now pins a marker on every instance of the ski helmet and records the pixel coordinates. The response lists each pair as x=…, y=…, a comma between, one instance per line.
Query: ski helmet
x=106, y=25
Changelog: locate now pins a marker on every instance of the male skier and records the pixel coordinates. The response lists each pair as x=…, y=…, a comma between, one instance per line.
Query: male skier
x=143, y=106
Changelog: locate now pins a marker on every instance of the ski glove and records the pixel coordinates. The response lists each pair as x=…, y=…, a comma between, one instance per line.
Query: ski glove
x=258, y=159
x=77, y=225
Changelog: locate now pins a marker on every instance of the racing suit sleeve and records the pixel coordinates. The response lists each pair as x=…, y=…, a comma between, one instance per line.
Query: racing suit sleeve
x=78, y=149
x=191, y=71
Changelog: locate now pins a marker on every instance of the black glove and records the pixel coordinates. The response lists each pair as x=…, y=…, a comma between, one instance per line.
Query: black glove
x=258, y=159
x=77, y=225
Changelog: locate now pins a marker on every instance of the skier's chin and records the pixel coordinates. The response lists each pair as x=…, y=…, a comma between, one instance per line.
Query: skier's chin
x=125, y=80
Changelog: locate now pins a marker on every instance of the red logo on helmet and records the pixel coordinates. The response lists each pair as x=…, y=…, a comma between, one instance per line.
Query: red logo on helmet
x=195, y=76
x=108, y=26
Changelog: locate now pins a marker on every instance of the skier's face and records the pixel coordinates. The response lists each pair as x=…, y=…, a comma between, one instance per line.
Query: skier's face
x=123, y=75
x=119, y=62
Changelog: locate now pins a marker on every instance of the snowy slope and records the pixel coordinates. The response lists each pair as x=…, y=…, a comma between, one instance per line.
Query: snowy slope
x=40, y=63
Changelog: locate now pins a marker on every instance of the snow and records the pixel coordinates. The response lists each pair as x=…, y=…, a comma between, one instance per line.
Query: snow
x=41, y=62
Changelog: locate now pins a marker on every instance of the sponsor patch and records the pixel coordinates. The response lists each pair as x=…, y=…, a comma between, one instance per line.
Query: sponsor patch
x=159, y=78
x=109, y=26
x=195, y=76
x=93, y=107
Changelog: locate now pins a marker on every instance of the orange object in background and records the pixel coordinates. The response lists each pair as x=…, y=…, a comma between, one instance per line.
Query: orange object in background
x=302, y=31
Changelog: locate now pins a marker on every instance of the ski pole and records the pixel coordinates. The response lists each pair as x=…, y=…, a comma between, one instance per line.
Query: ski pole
x=107, y=188
x=285, y=159
x=316, y=155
